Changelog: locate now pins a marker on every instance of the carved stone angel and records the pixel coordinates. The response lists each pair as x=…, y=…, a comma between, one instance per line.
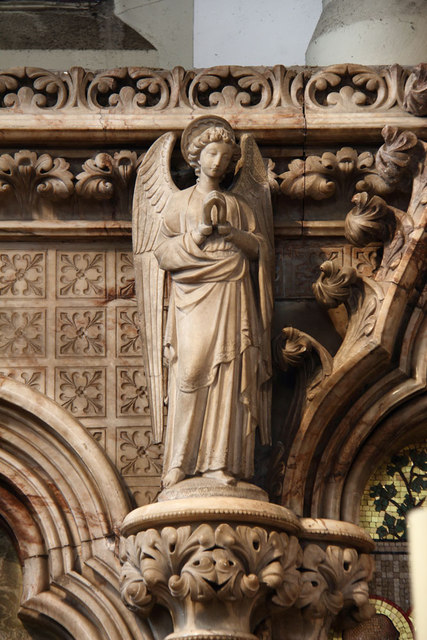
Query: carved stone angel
x=218, y=248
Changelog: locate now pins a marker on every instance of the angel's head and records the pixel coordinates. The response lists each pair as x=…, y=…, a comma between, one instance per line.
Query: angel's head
x=210, y=144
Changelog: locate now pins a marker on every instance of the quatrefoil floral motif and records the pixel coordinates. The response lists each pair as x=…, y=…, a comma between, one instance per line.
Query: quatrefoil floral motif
x=82, y=391
x=22, y=274
x=82, y=274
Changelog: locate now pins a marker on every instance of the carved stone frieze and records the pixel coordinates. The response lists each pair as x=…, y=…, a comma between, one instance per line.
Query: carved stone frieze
x=321, y=177
x=27, y=176
x=353, y=87
x=345, y=87
x=105, y=176
x=129, y=90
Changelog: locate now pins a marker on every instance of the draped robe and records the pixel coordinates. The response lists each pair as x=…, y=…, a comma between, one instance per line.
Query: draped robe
x=216, y=341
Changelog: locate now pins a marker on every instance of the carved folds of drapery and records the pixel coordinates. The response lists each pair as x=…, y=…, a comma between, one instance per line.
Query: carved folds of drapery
x=230, y=579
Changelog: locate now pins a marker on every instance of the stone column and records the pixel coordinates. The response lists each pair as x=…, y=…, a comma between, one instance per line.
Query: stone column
x=367, y=32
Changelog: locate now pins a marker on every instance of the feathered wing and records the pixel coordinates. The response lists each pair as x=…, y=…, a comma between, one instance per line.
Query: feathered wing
x=153, y=188
x=252, y=186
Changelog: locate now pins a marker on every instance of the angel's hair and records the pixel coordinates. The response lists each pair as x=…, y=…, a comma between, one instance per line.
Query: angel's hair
x=212, y=134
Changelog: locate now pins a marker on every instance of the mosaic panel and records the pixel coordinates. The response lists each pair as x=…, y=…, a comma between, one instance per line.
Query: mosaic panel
x=397, y=485
x=399, y=624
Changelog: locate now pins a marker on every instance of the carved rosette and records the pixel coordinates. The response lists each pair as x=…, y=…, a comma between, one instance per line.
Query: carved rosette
x=224, y=568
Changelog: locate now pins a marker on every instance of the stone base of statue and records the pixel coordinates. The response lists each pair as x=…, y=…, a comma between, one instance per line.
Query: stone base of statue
x=224, y=567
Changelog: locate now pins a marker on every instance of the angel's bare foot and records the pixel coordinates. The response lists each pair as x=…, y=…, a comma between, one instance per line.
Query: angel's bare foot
x=221, y=476
x=173, y=477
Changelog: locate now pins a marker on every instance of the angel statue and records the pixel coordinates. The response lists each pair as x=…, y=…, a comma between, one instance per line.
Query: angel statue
x=217, y=246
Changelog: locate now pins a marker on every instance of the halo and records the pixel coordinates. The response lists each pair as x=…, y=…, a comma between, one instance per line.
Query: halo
x=197, y=126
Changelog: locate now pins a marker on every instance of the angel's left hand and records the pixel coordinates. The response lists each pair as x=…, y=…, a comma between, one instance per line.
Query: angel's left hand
x=243, y=240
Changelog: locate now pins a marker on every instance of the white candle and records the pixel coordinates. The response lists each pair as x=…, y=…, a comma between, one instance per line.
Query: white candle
x=417, y=534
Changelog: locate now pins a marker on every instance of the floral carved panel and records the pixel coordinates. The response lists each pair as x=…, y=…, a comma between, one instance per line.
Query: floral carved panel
x=69, y=328
x=22, y=274
x=81, y=274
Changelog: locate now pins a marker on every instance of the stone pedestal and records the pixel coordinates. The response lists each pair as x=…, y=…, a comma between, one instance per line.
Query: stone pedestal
x=225, y=566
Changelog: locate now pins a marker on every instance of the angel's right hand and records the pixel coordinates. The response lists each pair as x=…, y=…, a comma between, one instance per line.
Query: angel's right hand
x=201, y=233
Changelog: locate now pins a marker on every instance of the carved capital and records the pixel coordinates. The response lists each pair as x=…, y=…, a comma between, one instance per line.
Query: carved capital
x=255, y=573
x=215, y=578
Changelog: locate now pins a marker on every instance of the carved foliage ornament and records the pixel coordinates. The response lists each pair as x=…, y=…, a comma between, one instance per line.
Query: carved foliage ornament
x=352, y=87
x=209, y=563
x=30, y=176
x=321, y=177
x=343, y=87
x=333, y=578
x=128, y=90
x=416, y=91
x=401, y=158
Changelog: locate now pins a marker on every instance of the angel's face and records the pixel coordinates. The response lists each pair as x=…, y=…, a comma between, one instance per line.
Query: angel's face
x=215, y=158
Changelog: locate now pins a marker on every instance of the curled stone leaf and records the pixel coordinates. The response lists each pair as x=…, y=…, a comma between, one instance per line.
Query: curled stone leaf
x=290, y=348
x=133, y=587
x=105, y=174
x=415, y=100
x=393, y=160
x=333, y=578
x=371, y=220
x=333, y=287
x=321, y=177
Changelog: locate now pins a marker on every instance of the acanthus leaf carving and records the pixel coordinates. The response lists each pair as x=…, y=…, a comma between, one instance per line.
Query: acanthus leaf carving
x=321, y=177
x=221, y=563
x=394, y=160
x=245, y=87
x=126, y=90
x=371, y=220
x=296, y=349
x=361, y=296
x=106, y=176
x=332, y=579
x=415, y=100
x=30, y=176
